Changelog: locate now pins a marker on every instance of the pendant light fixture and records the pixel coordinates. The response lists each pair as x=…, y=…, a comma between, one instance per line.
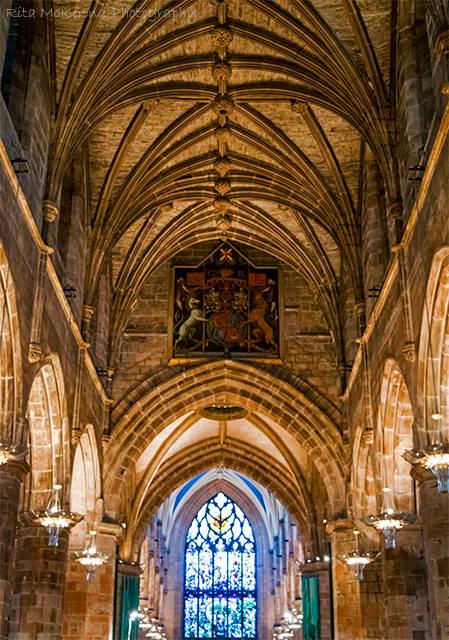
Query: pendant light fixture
x=90, y=557
x=357, y=559
x=55, y=518
x=388, y=521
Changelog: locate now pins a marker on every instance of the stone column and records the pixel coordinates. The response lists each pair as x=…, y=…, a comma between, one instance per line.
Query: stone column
x=11, y=475
x=37, y=606
x=358, y=605
x=405, y=587
x=434, y=509
x=89, y=605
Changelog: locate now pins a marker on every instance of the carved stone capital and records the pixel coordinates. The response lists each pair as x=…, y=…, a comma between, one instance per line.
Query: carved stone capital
x=34, y=352
x=50, y=210
x=442, y=43
x=409, y=351
x=17, y=468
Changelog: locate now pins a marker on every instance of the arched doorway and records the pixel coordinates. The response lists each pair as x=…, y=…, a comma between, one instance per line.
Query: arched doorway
x=220, y=573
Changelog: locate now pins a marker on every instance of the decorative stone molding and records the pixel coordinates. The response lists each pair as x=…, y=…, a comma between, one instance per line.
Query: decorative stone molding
x=221, y=204
x=166, y=208
x=222, y=186
x=442, y=43
x=223, y=106
x=222, y=166
x=224, y=224
x=34, y=352
x=409, y=351
x=298, y=106
x=222, y=37
x=368, y=437
x=221, y=73
x=50, y=210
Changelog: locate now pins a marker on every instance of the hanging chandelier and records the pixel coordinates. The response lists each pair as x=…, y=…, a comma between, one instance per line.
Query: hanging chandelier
x=54, y=518
x=281, y=631
x=358, y=559
x=388, y=522
x=293, y=618
x=11, y=452
x=90, y=557
x=433, y=456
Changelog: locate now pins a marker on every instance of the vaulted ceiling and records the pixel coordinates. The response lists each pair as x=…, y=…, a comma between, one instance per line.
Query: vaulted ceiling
x=243, y=118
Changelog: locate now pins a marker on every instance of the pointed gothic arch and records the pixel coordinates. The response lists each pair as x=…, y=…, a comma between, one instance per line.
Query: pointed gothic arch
x=11, y=425
x=49, y=432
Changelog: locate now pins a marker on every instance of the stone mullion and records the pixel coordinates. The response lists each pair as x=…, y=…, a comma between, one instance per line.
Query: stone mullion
x=40, y=571
x=10, y=482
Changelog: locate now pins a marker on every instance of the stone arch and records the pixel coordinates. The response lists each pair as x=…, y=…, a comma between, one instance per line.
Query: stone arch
x=49, y=432
x=188, y=464
x=394, y=435
x=176, y=556
x=433, y=362
x=232, y=383
x=11, y=425
x=85, y=486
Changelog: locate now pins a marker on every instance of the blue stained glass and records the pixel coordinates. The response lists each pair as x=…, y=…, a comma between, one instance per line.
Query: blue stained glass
x=220, y=573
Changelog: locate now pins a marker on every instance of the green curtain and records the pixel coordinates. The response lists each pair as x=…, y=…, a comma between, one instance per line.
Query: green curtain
x=129, y=629
x=310, y=608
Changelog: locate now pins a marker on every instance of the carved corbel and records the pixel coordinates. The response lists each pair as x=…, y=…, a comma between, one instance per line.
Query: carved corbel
x=394, y=212
x=442, y=43
x=50, y=210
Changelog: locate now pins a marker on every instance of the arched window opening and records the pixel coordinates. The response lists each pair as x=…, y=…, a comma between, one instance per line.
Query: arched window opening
x=220, y=573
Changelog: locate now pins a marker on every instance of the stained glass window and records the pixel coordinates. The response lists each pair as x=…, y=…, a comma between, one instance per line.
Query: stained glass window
x=220, y=573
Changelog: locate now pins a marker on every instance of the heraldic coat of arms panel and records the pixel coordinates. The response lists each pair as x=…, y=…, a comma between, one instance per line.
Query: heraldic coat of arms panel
x=226, y=306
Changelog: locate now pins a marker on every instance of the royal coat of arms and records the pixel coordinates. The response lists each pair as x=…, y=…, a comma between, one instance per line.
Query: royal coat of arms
x=226, y=305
